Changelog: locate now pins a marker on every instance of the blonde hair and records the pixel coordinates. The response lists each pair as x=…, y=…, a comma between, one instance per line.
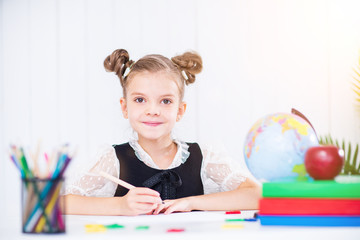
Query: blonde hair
x=189, y=63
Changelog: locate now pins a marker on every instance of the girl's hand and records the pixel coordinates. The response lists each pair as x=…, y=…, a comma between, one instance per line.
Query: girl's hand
x=178, y=205
x=139, y=201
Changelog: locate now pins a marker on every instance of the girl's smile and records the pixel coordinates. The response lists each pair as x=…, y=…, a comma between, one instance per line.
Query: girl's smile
x=152, y=124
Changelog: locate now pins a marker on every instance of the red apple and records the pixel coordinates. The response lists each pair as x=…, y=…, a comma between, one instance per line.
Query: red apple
x=324, y=162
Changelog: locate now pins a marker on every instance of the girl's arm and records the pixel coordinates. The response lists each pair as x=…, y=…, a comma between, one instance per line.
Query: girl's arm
x=246, y=196
x=76, y=204
x=136, y=201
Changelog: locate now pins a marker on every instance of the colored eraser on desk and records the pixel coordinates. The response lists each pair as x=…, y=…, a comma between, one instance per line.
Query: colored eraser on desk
x=250, y=219
x=232, y=226
x=241, y=220
x=234, y=220
x=94, y=228
x=142, y=228
x=175, y=230
x=113, y=226
x=233, y=212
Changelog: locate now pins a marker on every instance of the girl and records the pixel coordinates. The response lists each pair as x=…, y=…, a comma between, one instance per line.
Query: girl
x=185, y=175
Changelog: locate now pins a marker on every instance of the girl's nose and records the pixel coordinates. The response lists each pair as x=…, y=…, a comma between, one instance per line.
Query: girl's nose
x=153, y=109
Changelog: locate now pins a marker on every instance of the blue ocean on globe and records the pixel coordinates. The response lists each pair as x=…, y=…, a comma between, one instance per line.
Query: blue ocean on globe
x=275, y=147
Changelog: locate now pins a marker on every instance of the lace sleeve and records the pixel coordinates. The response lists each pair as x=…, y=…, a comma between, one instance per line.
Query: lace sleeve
x=219, y=172
x=90, y=183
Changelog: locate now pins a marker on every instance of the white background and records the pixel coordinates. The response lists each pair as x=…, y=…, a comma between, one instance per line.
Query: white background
x=260, y=57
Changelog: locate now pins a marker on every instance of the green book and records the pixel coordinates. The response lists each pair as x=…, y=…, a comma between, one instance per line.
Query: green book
x=314, y=189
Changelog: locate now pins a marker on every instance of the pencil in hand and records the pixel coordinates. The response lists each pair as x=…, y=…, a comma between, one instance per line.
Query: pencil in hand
x=119, y=181
x=116, y=180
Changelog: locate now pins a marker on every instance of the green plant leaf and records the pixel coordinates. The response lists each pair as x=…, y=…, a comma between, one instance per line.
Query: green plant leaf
x=351, y=161
x=348, y=157
x=357, y=91
x=355, y=159
x=357, y=73
x=356, y=85
x=347, y=169
x=357, y=88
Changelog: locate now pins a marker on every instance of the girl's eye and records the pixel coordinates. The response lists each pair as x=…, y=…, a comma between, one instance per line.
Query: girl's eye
x=139, y=100
x=166, y=101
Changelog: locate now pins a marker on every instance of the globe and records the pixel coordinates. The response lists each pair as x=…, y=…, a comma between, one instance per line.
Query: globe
x=275, y=147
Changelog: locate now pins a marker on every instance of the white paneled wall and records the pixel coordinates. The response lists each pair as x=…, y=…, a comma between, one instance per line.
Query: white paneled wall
x=260, y=57
x=2, y=143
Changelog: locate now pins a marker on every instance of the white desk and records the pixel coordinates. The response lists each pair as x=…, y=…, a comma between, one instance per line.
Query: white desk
x=197, y=225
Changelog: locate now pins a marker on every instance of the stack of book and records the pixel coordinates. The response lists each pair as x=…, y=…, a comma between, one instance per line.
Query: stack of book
x=316, y=203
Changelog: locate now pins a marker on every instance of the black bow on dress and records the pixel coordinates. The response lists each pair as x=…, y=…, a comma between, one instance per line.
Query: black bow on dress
x=165, y=182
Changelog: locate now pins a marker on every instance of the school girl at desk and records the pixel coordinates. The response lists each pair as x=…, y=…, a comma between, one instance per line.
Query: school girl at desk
x=169, y=175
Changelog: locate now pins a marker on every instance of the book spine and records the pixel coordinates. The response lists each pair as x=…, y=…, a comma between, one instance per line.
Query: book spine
x=309, y=221
x=311, y=190
x=306, y=206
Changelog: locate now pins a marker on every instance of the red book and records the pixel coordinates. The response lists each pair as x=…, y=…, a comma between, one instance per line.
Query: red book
x=309, y=206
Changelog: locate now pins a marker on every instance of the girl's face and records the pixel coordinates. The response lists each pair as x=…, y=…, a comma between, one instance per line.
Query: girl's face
x=152, y=104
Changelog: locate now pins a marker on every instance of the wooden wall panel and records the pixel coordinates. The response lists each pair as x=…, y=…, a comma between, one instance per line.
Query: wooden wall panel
x=2, y=125
x=73, y=87
x=16, y=95
x=43, y=73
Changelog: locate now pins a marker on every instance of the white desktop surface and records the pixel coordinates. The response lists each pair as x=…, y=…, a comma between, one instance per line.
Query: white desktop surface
x=197, y=225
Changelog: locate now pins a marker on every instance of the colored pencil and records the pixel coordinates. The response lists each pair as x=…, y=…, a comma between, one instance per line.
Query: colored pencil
x=29, y=174
x=116, y=180
x=119, y=181
x=14, y=160
x=37, y=218
x=37, y=211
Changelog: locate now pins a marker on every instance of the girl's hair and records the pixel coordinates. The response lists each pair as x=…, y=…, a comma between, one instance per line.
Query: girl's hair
x=189, y=63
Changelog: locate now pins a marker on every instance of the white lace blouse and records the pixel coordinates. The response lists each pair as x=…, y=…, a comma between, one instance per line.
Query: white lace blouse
x=218, y=172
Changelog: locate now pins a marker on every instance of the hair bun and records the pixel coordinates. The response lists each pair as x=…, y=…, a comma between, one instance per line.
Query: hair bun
x=190, y=63
x=118, y=62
